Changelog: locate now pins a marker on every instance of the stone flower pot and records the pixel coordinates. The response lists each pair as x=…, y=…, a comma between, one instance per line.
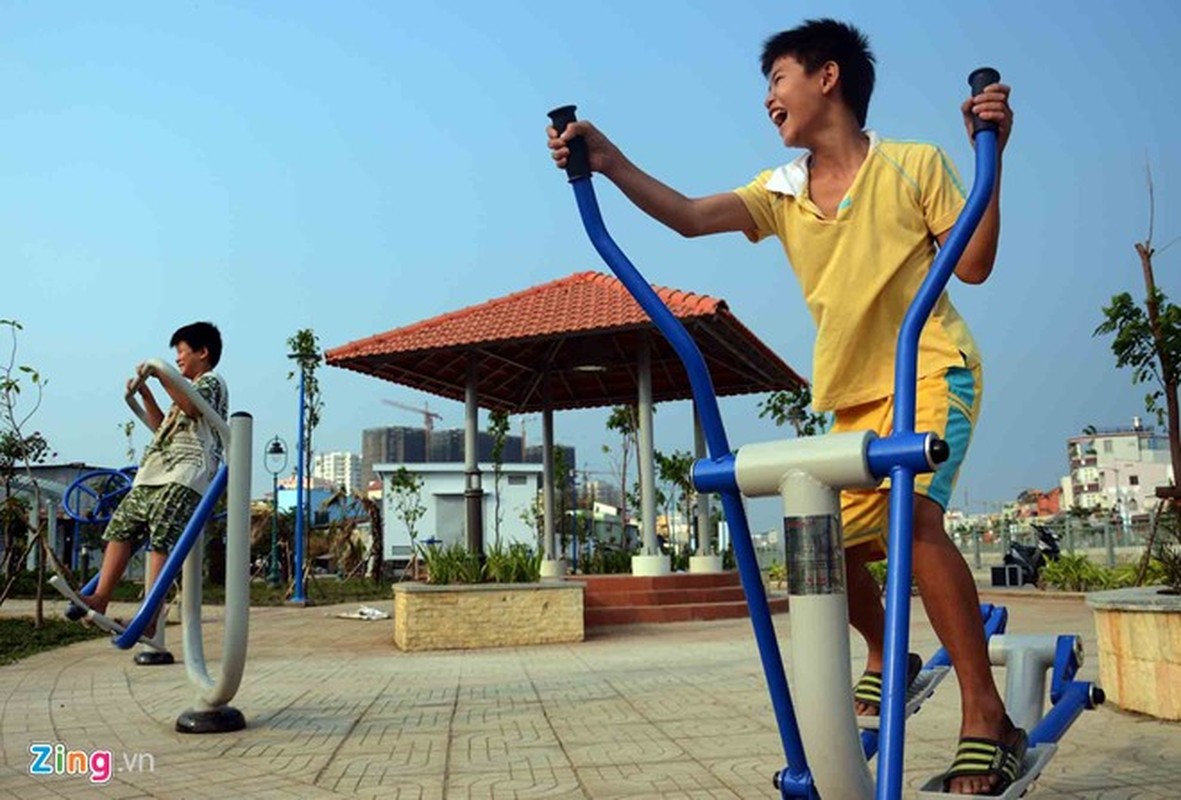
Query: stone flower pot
x=468, y=616
x=1139, y=632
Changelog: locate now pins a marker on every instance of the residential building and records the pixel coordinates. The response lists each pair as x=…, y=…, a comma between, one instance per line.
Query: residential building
x=1036, y=503
x=602, y=491
x=1117, y=469
x=403, y=445
x=339, y=469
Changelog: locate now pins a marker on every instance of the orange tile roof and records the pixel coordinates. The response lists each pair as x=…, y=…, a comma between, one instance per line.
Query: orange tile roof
x=587, y=318
x=584, y=301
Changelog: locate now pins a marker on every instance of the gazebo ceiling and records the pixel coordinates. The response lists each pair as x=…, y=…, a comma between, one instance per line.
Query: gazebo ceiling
x=582, y=332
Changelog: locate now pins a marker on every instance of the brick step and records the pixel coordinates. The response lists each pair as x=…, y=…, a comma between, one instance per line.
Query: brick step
x=662, y=597
x=678, y=580
x=684, y=612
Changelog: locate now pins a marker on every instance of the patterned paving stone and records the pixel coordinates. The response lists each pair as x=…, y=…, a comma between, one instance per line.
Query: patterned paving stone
x=333, y=710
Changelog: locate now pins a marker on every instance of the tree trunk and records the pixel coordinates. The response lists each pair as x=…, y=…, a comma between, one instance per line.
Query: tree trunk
x=1168, y=375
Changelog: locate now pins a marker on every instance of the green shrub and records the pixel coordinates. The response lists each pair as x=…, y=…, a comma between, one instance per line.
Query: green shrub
x=450, y=564
x=1168, y=563
x=517, y=563
x=877, y=571
x=1076, y=573
x=606, y=560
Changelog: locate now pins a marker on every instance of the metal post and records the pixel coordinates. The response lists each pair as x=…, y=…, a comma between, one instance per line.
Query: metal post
x=820, y=621
x=1109, y=543
x=273, y=570
x=977, y=534
x=473, y=491
x=297, y=593
x=275, y=459
x=647, y=467
x=1069, y=537
x=699, y=451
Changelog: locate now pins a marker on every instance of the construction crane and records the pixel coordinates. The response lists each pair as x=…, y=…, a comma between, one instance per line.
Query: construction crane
x=428, y=416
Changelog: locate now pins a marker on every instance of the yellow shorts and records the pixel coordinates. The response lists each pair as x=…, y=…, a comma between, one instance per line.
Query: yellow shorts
x=948, y=405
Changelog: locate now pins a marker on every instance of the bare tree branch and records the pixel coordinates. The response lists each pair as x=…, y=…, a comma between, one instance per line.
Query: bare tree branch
x=1151, y=205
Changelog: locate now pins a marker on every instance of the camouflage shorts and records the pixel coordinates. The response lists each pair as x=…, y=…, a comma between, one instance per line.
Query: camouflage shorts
x=158, y=512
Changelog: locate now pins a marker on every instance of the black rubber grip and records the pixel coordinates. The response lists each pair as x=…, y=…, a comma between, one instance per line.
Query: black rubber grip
x=938, y=451
x=979, y=80
x=578, y=164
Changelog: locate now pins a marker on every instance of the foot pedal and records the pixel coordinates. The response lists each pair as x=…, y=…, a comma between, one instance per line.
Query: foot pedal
x=1036, y=759
x=916, y=694
x=99, y=620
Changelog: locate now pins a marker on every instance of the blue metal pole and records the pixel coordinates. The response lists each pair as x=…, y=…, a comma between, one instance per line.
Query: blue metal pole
x=719, y=447
x=175, y=560
x=898, y=570
x=297, y=595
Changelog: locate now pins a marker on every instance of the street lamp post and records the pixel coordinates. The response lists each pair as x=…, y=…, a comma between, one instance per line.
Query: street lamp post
x=297, y=593
x=276, y=462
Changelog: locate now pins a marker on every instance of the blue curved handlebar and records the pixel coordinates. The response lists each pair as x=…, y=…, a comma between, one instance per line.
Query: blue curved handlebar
x=901, y=513
x=906, y=356
x=719, y=448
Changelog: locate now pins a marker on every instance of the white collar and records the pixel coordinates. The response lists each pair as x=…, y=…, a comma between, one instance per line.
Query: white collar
x=790, y=179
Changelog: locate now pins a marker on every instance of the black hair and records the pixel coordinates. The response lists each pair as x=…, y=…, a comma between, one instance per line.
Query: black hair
x=819, y=41
x=200, y=335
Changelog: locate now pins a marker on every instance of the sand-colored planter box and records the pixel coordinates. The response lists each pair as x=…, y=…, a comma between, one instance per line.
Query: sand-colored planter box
x=1139, y=633
x=465, y=616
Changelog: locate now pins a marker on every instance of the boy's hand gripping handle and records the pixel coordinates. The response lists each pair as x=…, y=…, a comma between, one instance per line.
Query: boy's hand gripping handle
x=578, y=164
x=979, y=80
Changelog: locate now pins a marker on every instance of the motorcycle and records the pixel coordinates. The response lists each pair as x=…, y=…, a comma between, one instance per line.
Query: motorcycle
x=1030, y=558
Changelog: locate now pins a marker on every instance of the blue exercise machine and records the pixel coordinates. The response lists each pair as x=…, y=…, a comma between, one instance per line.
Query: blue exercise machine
x=808, y=473
x=212, y=712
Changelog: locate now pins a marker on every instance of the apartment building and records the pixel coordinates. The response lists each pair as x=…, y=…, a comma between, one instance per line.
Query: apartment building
x=338, y=469
x=1117, y=469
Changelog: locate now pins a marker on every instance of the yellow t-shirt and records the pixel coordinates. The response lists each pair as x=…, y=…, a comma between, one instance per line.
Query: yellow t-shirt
x=860, y=270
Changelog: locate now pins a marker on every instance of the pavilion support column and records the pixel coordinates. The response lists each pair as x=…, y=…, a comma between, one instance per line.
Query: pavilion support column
x=706, y=559
x=553, y=565
x=473, y=492
x=650, y=561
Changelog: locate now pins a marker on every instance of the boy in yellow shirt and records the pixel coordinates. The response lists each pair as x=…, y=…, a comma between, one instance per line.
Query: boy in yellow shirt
x=861, y=219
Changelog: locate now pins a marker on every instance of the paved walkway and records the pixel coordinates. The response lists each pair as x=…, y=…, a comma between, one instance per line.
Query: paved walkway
x=334, y=710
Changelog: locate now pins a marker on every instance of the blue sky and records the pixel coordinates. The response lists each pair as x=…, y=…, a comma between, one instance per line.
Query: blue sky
x=355, y=167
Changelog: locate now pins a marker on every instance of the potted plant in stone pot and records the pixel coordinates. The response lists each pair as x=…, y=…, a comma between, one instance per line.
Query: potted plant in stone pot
x=1139, y=628
x=1139, y=633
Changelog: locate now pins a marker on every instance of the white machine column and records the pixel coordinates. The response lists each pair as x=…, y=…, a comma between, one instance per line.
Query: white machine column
x=820, y=637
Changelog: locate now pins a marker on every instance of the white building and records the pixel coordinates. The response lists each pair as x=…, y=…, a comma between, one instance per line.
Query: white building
x=445, y=517
x=339, y=469
x=1117, y=469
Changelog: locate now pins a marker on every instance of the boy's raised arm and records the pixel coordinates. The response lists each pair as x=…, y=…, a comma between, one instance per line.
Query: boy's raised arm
x=976, y=263
x=716, y=213
x=178, y=396
x=151, y=408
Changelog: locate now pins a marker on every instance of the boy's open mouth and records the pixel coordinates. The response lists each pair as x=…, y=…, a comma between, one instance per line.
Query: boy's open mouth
x=778, y=116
